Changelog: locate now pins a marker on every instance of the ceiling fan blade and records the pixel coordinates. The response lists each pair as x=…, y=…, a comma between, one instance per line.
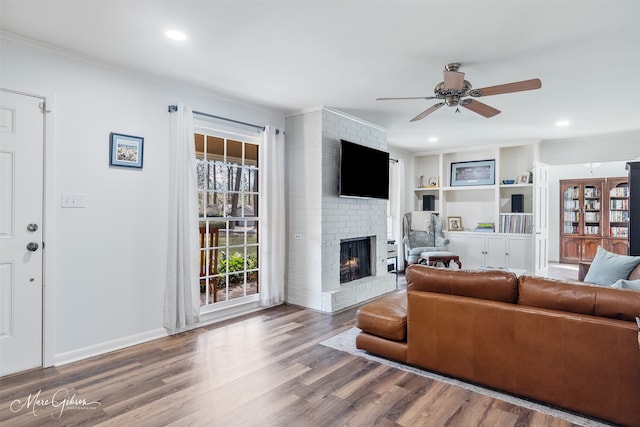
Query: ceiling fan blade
x=410, y=97
x=480, y=108
x=453, y=80
x=507, y=88
x=426, y=112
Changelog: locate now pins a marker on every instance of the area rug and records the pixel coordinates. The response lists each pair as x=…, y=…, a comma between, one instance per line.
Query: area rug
x=346, y=341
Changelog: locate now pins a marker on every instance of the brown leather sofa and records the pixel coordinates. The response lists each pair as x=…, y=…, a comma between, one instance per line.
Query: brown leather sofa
x=568, y=344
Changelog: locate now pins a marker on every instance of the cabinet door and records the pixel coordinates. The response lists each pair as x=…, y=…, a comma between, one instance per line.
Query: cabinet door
x=618, y=217
x=589, y=248
x=457, y=244
x=519, y=253
x=570, y=248
x=617, y=246
x=475, y=251
x=570, y=207
x=496, y=251
x=592, y=205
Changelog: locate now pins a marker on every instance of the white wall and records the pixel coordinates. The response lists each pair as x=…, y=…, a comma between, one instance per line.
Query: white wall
x=612, y=147
x=109, y=258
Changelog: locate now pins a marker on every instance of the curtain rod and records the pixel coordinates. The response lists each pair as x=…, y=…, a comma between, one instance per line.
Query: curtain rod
x=174, y=108
x=393, y=160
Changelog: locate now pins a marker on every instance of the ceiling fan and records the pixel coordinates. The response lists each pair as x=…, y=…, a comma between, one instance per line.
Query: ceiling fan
x=454, y=90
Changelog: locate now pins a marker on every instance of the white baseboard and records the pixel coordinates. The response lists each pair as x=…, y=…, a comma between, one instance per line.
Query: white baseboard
x=109, y=346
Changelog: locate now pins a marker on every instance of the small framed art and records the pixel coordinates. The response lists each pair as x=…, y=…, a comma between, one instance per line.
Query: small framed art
x=126, y=150
x=524, y=178
x=455, y=223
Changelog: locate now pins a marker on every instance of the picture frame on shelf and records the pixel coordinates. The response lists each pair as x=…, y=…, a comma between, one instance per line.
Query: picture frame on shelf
x=454, y=223
x=523, y=178
x=126, y=150
x=478, y=172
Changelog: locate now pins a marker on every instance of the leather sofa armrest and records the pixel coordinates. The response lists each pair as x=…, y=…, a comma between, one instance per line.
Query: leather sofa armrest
x=583, y=268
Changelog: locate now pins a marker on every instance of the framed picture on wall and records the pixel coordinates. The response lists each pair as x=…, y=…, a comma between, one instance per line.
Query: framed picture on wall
x=480, y=172
x=126, y=150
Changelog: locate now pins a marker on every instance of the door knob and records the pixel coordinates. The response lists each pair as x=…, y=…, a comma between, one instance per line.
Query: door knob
x=32, y=246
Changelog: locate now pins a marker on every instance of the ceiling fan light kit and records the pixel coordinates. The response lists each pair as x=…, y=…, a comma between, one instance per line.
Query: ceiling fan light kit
x=454, y=89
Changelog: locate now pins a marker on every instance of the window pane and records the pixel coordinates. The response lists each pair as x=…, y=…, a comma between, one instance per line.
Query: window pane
x=234, y=152
x=251, y=154
x=215, y=204
x=201, y=168
x=199, y=146
x=215, y=148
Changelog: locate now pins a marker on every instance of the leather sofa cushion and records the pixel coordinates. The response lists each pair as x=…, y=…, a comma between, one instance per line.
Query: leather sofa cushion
x=385, y=317
x=494, y=285
x=623, y=304
x=556, y=294
x=578, y=297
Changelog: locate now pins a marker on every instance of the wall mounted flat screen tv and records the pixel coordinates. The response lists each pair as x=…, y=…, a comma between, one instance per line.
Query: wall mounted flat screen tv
x=364, y=171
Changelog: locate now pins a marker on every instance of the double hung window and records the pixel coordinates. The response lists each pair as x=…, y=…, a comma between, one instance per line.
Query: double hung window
x=229, y=223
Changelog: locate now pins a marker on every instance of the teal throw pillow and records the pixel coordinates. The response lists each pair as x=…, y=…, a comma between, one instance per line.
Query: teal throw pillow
x=607, y=267
x=627, y=284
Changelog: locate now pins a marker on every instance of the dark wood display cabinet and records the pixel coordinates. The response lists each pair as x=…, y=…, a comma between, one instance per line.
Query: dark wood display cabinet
x=593, y=212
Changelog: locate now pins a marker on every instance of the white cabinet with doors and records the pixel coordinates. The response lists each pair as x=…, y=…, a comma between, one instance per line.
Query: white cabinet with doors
x=493, y=249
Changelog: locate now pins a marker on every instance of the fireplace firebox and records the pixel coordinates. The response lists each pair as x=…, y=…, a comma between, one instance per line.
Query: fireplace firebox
x=355, y=259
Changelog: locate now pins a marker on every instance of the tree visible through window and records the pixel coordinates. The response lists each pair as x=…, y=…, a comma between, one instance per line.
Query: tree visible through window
x=229, y=222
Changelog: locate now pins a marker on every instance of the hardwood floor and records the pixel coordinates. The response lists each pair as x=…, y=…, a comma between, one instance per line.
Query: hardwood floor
x=265, y=369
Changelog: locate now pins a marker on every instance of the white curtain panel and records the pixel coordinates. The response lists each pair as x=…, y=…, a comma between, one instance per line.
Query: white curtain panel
x=182, y=293
x=272, y=218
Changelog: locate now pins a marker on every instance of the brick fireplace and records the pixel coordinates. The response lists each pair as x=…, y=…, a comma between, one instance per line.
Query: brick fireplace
x=319, y=220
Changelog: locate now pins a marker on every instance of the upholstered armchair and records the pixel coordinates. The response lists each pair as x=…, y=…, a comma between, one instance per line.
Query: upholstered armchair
x=422, y=232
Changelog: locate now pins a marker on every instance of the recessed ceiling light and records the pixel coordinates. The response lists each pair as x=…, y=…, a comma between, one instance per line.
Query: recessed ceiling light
x=176, y=35
x=432, y=139
x=563, y=123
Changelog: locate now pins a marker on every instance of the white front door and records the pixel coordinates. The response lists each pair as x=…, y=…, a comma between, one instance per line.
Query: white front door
x=21, y=213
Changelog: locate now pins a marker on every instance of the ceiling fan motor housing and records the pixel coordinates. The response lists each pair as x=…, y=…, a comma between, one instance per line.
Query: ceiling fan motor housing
x=451, y=96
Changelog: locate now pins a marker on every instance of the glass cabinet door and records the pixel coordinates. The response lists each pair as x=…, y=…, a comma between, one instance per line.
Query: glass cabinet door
x=571, y=210
x=619, y=211
x=592, y=217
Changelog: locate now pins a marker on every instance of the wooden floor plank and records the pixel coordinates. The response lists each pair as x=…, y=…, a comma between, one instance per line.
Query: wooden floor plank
x=264, y=369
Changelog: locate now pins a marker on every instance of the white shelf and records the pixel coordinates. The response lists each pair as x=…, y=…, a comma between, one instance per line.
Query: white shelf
x=470, y=187
x=515, y=185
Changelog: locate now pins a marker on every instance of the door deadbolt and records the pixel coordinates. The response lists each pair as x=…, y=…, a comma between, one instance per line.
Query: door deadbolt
x=32, y=227
x=32, y=246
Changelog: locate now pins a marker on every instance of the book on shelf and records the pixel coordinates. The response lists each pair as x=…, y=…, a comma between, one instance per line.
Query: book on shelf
x=620, y=204
x=619, y=192
x=592, y=216
x=486, y=227
x=619, y=231
x=591, y=192
x=516, y=223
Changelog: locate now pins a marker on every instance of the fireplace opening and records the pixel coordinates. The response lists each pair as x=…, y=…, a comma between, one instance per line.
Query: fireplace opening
x=355, y=259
